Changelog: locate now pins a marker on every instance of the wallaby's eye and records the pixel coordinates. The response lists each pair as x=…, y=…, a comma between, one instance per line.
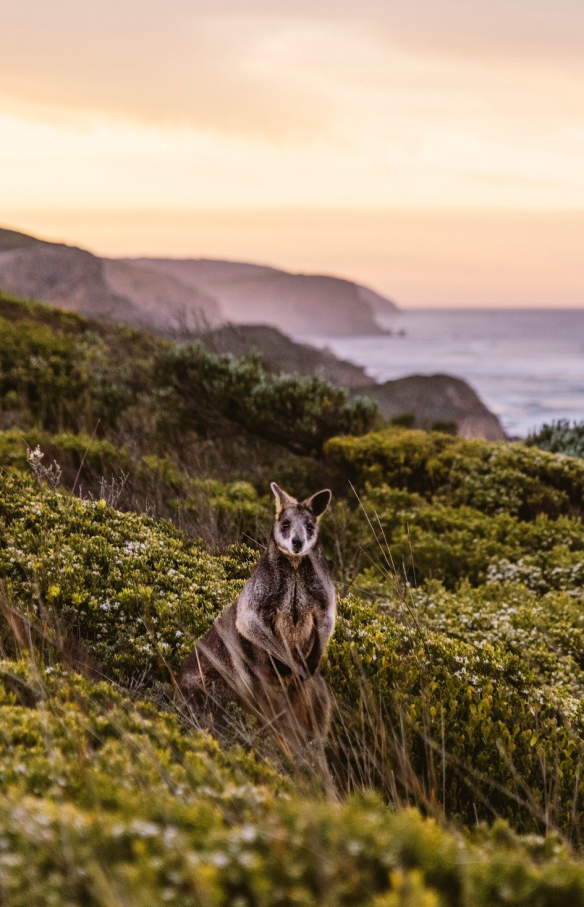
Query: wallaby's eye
x=285, y=524
x=309, y=529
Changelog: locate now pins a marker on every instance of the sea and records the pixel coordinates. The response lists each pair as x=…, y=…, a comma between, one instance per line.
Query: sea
x=527, y=365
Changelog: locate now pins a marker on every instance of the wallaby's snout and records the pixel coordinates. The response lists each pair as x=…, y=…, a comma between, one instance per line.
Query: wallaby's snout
x=297, y=543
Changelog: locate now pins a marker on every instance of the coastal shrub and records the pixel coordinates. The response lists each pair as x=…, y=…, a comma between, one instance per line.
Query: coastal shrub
x=467, y=727
x=423, y=540
x=218, y=512
x=545, y=631
x=220, y=417
x=62, y=372
x=186, y=822
x=136, y=591
x=40, y=372
x=124, y=597
x=559, y=437
x=490, y=477
x=299, y=412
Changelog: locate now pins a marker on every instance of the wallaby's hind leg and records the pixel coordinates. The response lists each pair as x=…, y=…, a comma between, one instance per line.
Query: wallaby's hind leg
x=305, y=713
x=319, y=707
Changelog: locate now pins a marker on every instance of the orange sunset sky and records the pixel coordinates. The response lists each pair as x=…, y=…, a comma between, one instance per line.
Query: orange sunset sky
x=433, y=150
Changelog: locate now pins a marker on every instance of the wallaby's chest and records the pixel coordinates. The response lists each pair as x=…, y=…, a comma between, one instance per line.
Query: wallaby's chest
x=298, y=603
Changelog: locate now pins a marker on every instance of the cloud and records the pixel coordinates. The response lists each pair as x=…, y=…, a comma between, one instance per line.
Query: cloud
x=229, y=75
x=270, y=68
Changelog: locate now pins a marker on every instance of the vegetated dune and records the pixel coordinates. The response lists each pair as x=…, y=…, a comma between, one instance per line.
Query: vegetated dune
x=295, y=303
x=438, y=398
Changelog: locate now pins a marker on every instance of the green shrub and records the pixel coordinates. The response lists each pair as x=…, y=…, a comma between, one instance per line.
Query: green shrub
x=560, y=437
x=62, y=372
x=128, y=597
x=220, y=513
x=40, y=371
x=493, y=478
x=434, y=540
x=135, y=590
x=446, y=724
x=105, y=800
x=299, y=412
x=447, y=426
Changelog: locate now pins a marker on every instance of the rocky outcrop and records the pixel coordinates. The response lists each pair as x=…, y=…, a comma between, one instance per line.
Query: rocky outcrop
x=435, y=399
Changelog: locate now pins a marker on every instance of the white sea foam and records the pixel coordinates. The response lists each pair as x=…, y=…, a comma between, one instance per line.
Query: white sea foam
x=526, y=365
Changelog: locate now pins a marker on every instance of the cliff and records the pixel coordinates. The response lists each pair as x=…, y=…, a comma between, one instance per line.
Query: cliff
x=170, y=295
x=297, y=304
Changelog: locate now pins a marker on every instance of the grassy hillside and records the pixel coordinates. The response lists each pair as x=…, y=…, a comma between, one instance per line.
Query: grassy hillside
x=453, y=772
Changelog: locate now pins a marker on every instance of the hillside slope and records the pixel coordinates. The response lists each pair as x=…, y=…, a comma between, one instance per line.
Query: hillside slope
x=298, y=304
x=452, y=773
x=169, y=295
x=79, y=281
x=428, y=399
x=459, y=696
x=188, y=298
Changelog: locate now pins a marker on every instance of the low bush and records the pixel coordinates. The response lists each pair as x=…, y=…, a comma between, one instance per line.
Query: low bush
x=426, y=540
x=126, y=598
x=493, y=478
x=136, y=591
x=218, y=512
x=468, y=727
x=299, y=412
x=560, y=437
x=105, y=800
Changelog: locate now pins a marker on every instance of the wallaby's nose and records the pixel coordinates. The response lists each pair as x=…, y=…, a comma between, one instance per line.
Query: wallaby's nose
x=296, y=543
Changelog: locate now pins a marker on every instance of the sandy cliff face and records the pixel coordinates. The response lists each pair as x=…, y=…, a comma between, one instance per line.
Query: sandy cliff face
x=75, y=279
x=294, y=303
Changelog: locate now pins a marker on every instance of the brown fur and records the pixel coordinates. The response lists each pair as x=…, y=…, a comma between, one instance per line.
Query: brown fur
x=263, y=652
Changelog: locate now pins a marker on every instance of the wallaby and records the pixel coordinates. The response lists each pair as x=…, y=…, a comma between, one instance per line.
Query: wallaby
x=264, y=651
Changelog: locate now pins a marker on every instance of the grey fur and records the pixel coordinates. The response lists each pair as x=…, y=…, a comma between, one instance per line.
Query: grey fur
x=264, y=651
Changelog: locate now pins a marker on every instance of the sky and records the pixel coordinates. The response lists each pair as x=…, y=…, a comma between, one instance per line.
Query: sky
x=433, y=149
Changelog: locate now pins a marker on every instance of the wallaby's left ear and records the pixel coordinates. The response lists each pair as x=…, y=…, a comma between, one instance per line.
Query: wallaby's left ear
x=319, y=502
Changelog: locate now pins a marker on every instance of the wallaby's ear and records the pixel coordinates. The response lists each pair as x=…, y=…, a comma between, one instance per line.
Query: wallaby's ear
x=283, y=499
x=319, y=502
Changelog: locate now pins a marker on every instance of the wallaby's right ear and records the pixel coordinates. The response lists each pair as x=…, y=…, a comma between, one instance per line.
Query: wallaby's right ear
x=283, y=499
